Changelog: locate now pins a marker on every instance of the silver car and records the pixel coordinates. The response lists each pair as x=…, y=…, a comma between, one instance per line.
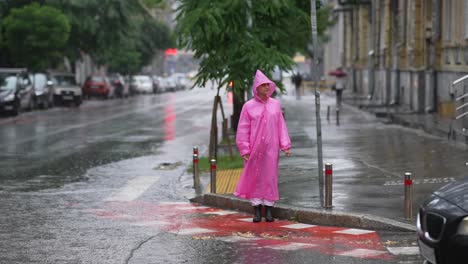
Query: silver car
x=66, y=90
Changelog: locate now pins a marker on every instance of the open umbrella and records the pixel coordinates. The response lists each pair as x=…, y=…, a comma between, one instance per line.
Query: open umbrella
x=337, y=73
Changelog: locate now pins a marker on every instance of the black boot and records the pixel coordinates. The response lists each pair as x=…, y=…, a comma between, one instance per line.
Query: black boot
x=268, y=215
x=258, y=213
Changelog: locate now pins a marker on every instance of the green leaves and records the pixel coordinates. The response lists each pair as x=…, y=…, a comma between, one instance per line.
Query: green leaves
x=36, y=35
x=233, y=38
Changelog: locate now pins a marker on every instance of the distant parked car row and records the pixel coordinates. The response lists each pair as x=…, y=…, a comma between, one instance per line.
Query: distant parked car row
x=116, y=85
x=21, y=90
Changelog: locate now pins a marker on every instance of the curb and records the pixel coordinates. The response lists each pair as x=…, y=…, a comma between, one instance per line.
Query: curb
x=309, y=216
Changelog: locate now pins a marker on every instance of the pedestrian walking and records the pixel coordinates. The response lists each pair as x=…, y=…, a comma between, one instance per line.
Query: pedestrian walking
x=339, y=85
x=297, y=80
x=261, y=134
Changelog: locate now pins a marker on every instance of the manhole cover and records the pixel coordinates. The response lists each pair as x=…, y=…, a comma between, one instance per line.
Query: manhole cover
x=167, y=166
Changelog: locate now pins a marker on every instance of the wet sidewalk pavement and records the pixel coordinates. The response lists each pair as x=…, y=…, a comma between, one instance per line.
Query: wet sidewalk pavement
x=369, y=158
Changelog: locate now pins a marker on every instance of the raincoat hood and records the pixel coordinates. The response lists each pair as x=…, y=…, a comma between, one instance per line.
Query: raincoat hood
x=260, y=78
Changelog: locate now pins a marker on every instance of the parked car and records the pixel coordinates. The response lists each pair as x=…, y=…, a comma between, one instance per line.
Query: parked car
x=16, y=91
x=182, y=82
x=121, y=87
x=142, y=84
x=156, y=84
x=168, y=84
x=66, y=90
x=43, y=90
x=442, y=225
x=98, y=85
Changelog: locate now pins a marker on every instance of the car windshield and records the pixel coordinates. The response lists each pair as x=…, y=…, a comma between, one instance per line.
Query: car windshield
x=65, y=80
x=97, y=79
x=8, y=83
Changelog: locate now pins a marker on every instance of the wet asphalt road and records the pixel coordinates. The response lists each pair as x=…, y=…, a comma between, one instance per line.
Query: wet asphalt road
x=66, y=172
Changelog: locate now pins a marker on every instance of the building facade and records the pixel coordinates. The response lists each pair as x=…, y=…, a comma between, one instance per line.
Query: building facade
x=403, y=52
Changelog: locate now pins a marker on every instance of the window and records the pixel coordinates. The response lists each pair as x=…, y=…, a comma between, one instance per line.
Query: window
x=465, y=19
x=447, y=24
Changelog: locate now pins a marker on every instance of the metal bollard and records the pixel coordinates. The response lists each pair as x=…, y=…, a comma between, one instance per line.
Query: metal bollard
x=328, y=113
x=328, y=185
x=196, y=170
x=213, y=176
x=408, y=196
x=338, y=117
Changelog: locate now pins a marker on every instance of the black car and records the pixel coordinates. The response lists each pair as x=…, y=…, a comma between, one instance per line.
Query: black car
x=443, y=225
x=16, y=91
x=43, y=90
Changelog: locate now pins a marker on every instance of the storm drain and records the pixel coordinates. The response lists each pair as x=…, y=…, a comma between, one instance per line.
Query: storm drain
x=167, y=166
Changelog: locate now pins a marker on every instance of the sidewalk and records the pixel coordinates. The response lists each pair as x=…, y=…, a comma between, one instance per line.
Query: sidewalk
x=431, y=123
x=369, y=159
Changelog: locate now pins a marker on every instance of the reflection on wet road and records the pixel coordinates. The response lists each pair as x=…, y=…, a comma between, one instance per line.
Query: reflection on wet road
x=48, y=149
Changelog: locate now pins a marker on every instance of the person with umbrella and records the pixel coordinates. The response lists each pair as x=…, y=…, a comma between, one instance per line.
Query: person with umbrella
x=340, y=85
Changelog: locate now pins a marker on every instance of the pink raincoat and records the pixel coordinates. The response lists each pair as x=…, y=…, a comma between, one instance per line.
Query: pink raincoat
x=261, y=133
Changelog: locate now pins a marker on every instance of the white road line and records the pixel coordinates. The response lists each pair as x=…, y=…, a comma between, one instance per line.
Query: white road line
x=403, y=250
x=353, y=231
x=192, y=231
x=134, y=189
x=361, y=252
x=292, y=246
x=298, y=226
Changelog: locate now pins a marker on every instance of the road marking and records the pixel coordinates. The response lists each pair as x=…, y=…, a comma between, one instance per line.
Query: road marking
x=422, y=181
x=298, y=226
x=361, y=252
x=291, y=246
x=134, y=189
x=353, y=231
x=403, y=250
x=246, y=219
x=192, y=231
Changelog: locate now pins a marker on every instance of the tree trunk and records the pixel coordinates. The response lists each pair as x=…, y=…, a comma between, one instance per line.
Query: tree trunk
x=239, y=101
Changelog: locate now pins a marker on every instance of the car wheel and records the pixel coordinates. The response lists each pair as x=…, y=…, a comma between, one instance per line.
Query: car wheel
x=78, y=102
x=16, y=108
x=31, y=105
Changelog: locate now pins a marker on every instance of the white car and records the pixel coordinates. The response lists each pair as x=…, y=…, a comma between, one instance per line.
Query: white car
x=168, y=84
x=66, y=90
x=182, y=82
x=142, y=84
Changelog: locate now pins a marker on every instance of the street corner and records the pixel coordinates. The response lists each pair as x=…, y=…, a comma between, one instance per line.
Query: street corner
x=195, y=221
x=307, y=215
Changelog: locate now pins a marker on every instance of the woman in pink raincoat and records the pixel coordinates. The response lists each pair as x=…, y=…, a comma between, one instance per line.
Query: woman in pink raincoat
x=261, y=133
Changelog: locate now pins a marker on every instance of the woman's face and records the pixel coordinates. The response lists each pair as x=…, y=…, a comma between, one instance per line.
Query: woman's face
x=263, y=90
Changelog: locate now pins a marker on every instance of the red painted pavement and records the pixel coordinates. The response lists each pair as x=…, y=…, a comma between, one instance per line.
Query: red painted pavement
x=180, y=218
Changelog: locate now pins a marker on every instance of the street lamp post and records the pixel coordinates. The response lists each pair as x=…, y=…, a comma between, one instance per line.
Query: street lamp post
x=313, y=20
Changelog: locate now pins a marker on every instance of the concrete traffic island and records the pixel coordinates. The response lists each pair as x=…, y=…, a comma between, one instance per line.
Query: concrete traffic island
x=326, y=217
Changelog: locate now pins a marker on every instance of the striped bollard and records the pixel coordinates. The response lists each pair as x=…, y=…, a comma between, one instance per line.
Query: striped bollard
x=213, y=176
x=328, y=185
x=196, y=170
x=408, y=196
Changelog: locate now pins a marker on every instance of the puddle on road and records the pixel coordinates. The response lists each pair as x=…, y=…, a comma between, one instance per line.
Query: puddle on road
x=168, y=166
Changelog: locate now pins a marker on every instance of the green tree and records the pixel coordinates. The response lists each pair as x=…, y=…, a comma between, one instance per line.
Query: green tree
x=100, y=27
x=36, y=35
x=233, y=38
